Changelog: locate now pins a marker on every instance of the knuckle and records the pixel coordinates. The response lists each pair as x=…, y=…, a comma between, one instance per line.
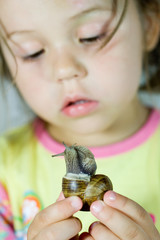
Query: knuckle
x=96, y=229
x=41, y=218
x=132, y=233
x=99, y=231
x=64, y=209
x=110, y=216
x=49, y=235
x=142, y=213
x=124, y=203
x=77, y=224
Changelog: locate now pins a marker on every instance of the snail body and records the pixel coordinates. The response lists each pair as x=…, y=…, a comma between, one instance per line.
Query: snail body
x=80, y=179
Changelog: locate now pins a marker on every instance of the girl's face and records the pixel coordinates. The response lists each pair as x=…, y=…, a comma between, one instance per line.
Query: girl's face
x=77, y=88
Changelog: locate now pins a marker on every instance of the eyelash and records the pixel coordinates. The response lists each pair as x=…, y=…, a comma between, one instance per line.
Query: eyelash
x=93, y=40
x=86, y=41
x=34, y=55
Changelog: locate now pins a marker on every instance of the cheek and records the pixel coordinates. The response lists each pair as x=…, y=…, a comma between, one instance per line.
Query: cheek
x=28, y=82
x=31, y=78
x=117, y=80
x=117, y=74
x=31, y=91
x=37, y=90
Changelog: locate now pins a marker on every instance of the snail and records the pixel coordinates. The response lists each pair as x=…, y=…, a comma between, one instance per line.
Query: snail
x=80, y=179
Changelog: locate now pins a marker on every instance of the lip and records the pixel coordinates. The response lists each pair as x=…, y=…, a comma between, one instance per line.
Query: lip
x=78, y=106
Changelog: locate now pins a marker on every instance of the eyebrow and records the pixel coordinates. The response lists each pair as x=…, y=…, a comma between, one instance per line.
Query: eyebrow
x=19, y=32
x=88, y=11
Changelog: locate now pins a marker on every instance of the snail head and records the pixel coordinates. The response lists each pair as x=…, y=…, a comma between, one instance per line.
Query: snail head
x=78, y=159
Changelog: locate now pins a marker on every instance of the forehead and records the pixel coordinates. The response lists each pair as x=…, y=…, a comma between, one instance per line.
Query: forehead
x=24, y=13
x=15, y=7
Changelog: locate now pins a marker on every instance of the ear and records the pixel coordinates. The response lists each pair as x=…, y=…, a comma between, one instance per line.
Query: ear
x=151, y=30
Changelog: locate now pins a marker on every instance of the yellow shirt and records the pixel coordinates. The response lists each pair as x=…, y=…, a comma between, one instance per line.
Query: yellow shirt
x=30, y=179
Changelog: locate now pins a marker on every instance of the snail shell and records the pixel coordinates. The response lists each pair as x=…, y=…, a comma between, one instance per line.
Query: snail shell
x=80, y=179
x=88, y=191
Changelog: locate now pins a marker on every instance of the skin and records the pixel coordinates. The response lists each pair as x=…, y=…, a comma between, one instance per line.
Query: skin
x=67, y=68
x=118, y=218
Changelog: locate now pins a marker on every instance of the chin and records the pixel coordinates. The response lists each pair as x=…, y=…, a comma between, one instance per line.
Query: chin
x=89, y=127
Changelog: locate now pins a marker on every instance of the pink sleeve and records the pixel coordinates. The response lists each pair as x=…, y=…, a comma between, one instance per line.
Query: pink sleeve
x=6, y=219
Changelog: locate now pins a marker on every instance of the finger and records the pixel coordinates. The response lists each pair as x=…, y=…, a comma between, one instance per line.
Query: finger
x=61, y=197
x=54, y=213
x=85, y=236
x=120, y=224
x=100, y=232
x=63, y=230
x=75, y=238
x=132, y=210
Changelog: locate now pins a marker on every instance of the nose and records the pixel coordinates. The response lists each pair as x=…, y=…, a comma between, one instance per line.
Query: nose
x=67, y=67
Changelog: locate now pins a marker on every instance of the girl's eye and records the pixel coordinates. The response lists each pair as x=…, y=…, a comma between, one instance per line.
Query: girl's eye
x=92, y=40
x=34, y=55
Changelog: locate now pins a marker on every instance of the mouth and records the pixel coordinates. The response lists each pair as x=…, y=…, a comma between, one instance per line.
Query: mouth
x=82, y=101
x=79, y=107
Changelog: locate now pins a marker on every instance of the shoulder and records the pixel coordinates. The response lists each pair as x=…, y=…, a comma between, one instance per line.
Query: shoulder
x=155, y=122
x=12, y=143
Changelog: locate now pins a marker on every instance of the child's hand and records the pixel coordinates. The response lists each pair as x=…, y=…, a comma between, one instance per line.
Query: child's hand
x=56, y=221
x=120, y=218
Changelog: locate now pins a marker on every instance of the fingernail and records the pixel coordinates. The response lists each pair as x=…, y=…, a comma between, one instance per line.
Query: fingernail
x=75, y=202
x=97, y=206
x=111, y=196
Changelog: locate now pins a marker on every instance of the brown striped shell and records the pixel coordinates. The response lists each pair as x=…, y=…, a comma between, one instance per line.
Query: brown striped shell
x=87, y=191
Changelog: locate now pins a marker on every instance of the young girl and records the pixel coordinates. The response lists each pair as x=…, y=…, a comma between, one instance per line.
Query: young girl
x=78, y=64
